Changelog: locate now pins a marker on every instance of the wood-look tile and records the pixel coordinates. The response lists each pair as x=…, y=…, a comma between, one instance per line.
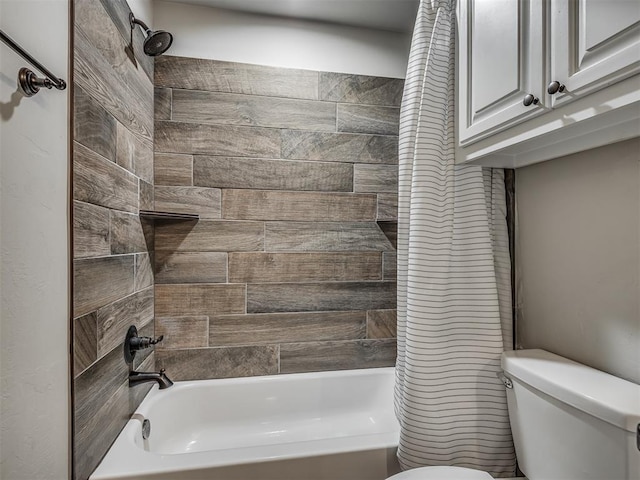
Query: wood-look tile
x=255, y=173
x=101, y=182
x=203, y=201
x=301, y=206
x=375, y=178
x=339, y=147
x=210, y=236
x=252, y=110
x=143, y=272
x=99, y=382
x=194, y=138
x=258, y=267
x=148, y=228
x=199, y=299
x=97, y=428
x=125, y=147
x=319, y=356
x=344, y=87
x=183, y=332
x=119, y=10
x=172, y=169
x=126, y=233
x=101, y=409
x=100, y=281
x=104, y=68
x=272, y=328
x=390, y=230
x=381, y=324
x=90, y=230
x=190, y=267
x=307, y=297
x=372, y=119
x=325, y=236
x=217, y=76
x=93, y=126
x=219, y=362
x=85, y=342
x=389, y=266
x=162, y=103
x=114, y=319
x=134, y=153
x=146, y=195
x=388, y=206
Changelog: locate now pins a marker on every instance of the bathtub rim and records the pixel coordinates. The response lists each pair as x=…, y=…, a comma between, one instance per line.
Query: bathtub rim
x=126, y=459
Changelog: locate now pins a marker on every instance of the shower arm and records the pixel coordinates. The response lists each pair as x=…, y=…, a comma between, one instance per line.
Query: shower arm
x=134, y=21
x=28, y=76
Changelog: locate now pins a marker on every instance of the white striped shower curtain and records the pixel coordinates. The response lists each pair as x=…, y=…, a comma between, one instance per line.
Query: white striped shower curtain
x=454, y=291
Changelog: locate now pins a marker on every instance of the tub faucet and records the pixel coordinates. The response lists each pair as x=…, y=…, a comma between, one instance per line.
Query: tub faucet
x=136, y=378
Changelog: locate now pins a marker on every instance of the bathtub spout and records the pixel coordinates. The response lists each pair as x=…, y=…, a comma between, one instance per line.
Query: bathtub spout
x=136, y=378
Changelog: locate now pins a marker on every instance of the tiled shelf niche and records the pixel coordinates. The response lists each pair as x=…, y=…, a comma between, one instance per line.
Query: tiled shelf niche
x=168, y=216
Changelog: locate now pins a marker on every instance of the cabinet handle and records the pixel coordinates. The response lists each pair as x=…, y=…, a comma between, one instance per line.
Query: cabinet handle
x=530, y=99
x=555, y=87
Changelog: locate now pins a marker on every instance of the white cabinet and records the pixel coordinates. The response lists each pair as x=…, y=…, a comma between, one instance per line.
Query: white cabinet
x=510, y=49
x=593, y=44
x=501, y=61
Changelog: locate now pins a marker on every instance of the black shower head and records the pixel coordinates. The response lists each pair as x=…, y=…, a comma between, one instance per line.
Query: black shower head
x=157, y=41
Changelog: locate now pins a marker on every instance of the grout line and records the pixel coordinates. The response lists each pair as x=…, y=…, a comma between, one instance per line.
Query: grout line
x=192, y=178
x=279, y=357
x=170, y=105
x=208, y=330
x=280, y=97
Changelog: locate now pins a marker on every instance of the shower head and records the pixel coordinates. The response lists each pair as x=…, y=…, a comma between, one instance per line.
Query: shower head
x=157, y=41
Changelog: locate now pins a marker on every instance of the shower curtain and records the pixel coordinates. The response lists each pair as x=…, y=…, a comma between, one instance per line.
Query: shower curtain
x=454, y=291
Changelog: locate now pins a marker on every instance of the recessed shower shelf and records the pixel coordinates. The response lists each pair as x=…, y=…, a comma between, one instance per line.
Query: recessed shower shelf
x=168, y=216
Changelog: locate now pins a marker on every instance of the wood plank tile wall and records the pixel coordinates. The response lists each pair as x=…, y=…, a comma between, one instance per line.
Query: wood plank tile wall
x=113, y=178
x=290, y=170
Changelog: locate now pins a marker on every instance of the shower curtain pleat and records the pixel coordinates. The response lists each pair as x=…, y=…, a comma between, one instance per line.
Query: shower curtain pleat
x=454, y=285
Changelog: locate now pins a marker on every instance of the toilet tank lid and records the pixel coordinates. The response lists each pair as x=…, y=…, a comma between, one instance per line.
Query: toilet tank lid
x=592, y=391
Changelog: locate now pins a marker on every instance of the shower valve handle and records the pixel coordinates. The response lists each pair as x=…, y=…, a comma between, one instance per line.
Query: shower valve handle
x=140, y=343
x=133, y=343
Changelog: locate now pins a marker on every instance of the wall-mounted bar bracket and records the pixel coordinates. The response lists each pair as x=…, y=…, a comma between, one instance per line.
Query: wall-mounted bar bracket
x=28, y=82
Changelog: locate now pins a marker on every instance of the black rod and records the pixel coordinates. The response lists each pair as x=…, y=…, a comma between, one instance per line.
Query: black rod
x=57, y=82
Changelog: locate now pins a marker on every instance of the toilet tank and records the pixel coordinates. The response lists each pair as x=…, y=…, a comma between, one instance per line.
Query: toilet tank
x=570, y=421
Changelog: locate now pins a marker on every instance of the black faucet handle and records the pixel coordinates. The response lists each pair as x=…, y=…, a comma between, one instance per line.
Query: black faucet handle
x=133, y=343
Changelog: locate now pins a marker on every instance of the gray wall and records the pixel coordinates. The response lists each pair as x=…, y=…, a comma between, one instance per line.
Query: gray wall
x=578, y=257
x=34, y=244
x=290, y=170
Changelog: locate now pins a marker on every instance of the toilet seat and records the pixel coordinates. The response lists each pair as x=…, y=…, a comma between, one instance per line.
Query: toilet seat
x=442, y=473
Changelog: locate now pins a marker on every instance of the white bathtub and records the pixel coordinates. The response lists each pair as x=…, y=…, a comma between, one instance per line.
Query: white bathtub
x=309, y=426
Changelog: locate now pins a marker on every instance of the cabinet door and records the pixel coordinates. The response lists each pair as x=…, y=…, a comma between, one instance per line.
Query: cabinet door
x=500, y=61
x=594, y=43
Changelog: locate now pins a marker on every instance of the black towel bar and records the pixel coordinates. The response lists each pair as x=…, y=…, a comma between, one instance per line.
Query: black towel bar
x=28, y=82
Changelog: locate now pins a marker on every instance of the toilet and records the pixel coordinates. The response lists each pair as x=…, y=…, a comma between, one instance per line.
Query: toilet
x=569, y=422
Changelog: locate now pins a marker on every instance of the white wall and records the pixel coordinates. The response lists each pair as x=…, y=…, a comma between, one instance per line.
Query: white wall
x=34, y=290
x=205, y=32
x=578, y=257
x=142, y=9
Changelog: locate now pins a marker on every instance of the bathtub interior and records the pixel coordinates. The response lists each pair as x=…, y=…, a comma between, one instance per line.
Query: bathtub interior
x=286, y=409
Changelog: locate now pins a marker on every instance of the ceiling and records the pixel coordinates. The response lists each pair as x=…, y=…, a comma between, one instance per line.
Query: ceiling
x=392, y=15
